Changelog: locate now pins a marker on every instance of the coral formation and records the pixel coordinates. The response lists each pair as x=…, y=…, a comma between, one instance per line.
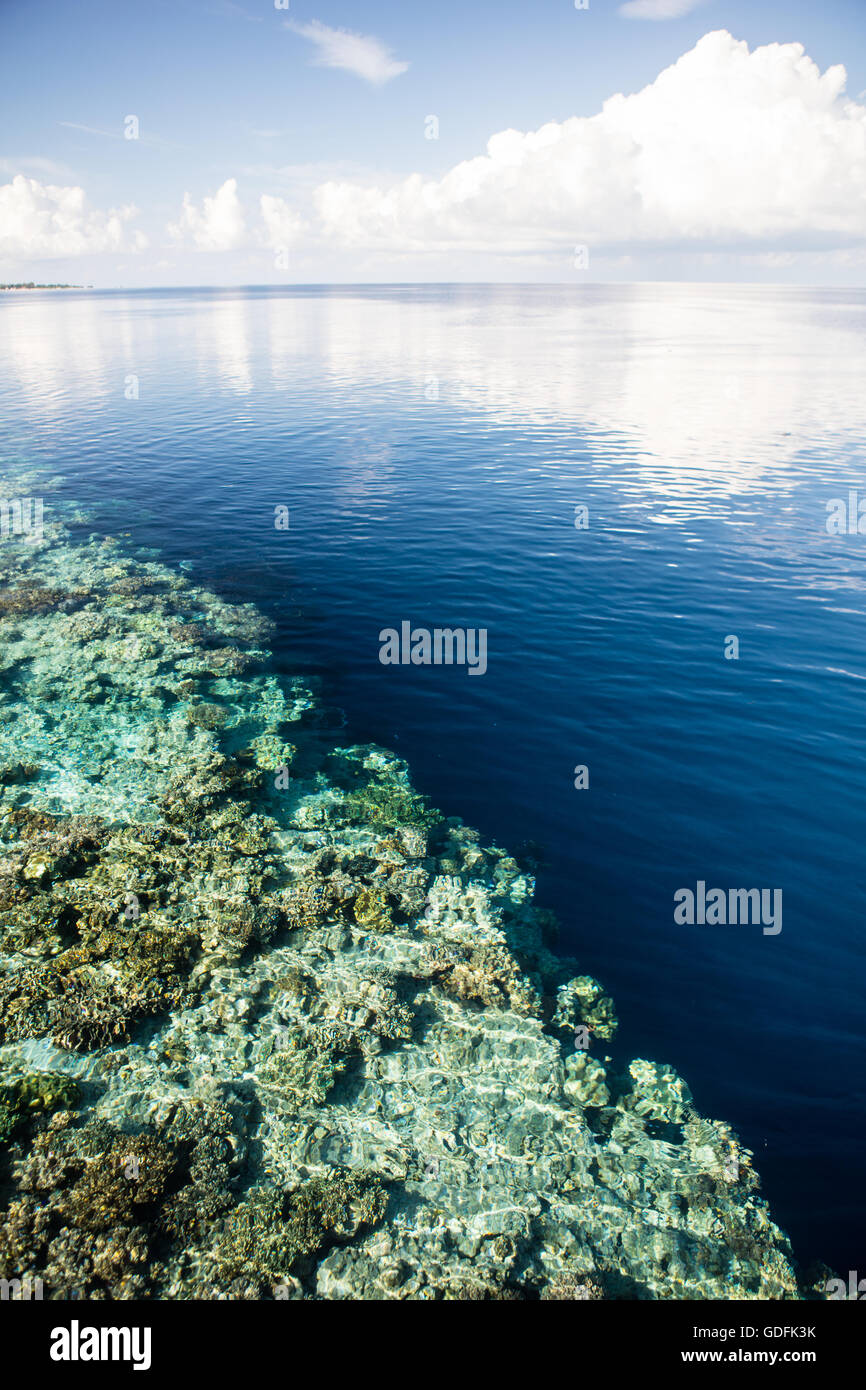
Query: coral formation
x=270, y=1232
x=99, y=1213
x=26, y=1096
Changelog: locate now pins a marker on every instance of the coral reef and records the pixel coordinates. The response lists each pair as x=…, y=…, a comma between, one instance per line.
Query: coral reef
x=268, y=1036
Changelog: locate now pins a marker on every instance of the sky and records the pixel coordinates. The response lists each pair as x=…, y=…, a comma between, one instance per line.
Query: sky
x=237, y=142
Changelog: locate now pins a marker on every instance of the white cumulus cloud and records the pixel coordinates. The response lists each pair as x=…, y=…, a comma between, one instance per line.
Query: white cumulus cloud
x=659, y=9
x=362, y=54
x=725, y=147
x=218, y=225
x=45, y=221
x=282, y=225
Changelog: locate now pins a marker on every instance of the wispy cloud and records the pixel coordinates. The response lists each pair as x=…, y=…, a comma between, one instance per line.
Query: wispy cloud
x=362, y=54
x=120, y=134
x=659, y=9
x=92, y=130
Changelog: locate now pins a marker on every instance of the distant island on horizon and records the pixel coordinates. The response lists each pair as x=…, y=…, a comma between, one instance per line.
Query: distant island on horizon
x=31, y=285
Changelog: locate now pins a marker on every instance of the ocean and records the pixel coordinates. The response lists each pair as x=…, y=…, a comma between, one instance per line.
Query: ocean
x=648, y=498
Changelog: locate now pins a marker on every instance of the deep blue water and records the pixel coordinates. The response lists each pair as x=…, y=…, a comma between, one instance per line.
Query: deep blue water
x=431, y=444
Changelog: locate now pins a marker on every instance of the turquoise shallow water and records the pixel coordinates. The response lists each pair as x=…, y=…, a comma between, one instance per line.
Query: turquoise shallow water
x=431, y=445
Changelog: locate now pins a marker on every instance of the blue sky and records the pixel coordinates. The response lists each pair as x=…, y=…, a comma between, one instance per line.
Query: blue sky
x=230, y=96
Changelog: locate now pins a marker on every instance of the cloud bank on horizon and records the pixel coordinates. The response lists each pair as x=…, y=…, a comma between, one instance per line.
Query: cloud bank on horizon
x=725, y=145
x=756, y=150
x=50, y=222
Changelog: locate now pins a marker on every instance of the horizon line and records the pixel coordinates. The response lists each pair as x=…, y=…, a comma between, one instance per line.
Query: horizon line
x=436, y=284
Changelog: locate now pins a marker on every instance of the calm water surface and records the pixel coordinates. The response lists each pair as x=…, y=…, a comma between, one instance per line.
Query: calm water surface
x=432, y=444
